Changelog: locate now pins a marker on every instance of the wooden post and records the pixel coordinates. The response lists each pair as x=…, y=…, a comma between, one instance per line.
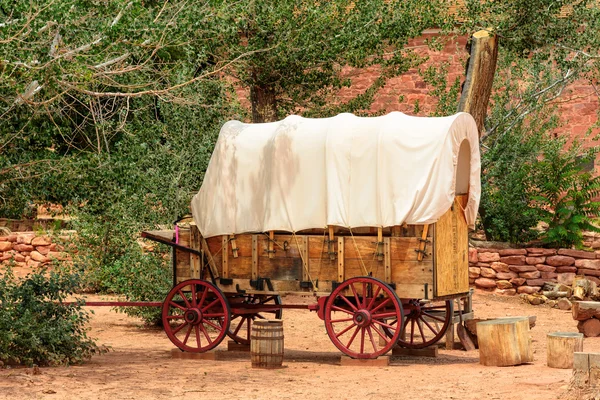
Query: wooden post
x=504, y=342
x=341, y=272
x=561, y=346
x=330, y=244
x=225, y=256
x=423, y=243
x=234, y=248
x=254, y=257
x=380, y=244
x=387, y=259
x=305, y=263
x=481, y=69
x=271, y=241
x=195, y=244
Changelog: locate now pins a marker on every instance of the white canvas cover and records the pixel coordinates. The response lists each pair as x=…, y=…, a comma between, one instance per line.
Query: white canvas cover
x=302, y=173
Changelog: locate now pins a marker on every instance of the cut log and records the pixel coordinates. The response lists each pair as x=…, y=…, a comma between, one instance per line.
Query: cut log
x=594, y=362
x=583, y=310
x=561, y=347
x=471, y=324
x=555, y=295
x=481, y=69
x=590, y=327
x=581, y=370
x=583, y=287
x=504, y=342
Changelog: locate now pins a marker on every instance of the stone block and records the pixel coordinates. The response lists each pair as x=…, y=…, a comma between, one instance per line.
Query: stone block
x=588, y=272
x=517, y=281
x=538, y=251
x=504, y=284
x=588, y=264
x=513, y=260
x=566, y=278
x=536, y=282
x=545, y=268
x=557, y=261
x=41, y=241
x=512, y=252
x=6, y=246
x=506, y=292
x=530, y=275
x=507, y=275
x=577, y=253
x=499, y=267
x=566, y=269
x=528, y=289
x=549, y=275
x=485, y=283
x=474, y=272
x=488, y=273
x=535, y=260
x=522, y=268
x=488, y=257
x=23, y=247
x=473, y=255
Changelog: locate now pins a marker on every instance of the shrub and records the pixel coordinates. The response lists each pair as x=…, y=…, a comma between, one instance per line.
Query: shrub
x=567, y=192
x=36, y=327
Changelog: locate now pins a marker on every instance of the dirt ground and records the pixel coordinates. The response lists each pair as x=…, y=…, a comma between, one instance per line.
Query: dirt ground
x=140, y=366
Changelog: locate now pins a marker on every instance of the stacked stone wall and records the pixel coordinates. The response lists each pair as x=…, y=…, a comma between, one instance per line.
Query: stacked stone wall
x=29, y=249
x=512, y=271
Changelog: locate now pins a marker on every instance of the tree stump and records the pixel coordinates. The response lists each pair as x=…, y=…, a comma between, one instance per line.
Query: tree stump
x=561, y=347
x=590, y=327
x=504, y=342
x=583, y=310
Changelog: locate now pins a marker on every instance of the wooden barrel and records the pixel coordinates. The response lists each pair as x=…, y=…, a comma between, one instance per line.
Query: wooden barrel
x=266, y=344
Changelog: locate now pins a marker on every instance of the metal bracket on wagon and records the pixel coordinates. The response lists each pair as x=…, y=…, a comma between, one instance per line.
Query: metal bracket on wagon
x=226, y=281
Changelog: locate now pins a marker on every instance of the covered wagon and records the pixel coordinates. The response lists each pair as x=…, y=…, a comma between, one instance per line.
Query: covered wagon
x=368, y=215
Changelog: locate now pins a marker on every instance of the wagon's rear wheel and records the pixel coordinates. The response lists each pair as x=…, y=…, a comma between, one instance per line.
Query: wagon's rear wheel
x=246, y=308
x=195, y=316
x=356, y=314
x=425, y=323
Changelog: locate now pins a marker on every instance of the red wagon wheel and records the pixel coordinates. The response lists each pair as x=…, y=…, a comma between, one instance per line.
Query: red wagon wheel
x=195, y=316
x=426, y=322
x=242, y=316
x=356, y=314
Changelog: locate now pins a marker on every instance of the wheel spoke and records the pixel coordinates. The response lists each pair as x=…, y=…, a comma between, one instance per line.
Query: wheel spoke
x=203, y=298
x=381, y=305
x=362, y=340
x=206, y=335
x=349, y=303
x=341, y=320
x=198, y=336
x=169, y=317
x=412, y=331
x=187, y=335
x=218, y=328
x=173, y=304
x=239, y=326
x=336, y=308
x=185, y=300
x=217, y=300
x=353, y=336
x=421, y=330
x=374, y=297
x=345, y=330
x=381, y=335
x=194, y=304
x=429, y=326
x=364, y=295
x=356, y=298
x=371, y=337
x=383, y=324
x=384, y=315
x=434, y=317
x=180, y=327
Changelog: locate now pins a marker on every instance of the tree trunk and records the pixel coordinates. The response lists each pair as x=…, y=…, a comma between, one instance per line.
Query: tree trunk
x=481, y=69
x=264, y=104
x=504, y=342
x=560, y=348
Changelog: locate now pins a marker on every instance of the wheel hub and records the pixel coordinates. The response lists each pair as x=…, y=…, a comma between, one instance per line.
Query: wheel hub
x=193, y=316
x=362, y=318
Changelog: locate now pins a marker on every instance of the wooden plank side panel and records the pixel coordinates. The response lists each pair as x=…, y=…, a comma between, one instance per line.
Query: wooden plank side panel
x=182, y=258
x=451, y=252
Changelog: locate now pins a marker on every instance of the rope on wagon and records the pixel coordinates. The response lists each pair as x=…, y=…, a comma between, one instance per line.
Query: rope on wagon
x=362, y=264
x=305, y=264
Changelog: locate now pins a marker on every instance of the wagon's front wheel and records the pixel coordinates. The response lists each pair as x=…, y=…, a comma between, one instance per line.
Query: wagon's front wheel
x=356, y=314
x=195, y=316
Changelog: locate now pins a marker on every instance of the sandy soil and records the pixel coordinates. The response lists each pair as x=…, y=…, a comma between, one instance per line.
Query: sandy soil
x=140, y=366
